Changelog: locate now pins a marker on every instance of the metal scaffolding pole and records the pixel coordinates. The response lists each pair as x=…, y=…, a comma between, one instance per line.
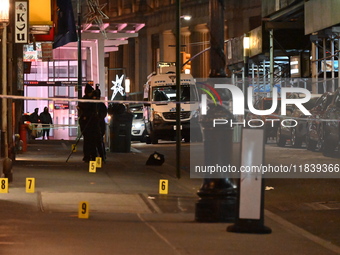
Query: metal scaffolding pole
x=271, y=35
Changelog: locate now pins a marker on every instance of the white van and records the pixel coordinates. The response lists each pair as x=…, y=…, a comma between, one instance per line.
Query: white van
x=160, y=110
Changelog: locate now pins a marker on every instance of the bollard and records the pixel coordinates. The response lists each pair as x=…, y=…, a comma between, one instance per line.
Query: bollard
x=23, y=136
x=218, y=196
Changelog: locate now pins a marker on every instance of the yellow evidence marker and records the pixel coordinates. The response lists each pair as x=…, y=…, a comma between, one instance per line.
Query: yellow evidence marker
x=30, y=185
x=83, y=210
x=98, y=162
x=163, y=186
x=92, y=167
x=74, y=147
x=3, y=185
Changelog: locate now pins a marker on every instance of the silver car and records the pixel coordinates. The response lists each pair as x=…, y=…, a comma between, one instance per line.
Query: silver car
x=138, y=126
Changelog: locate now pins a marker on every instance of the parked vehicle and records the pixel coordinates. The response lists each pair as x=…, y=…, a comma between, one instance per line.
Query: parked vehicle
x=314, y=135
x=266, y=103
x=138, y=126
x=331, y=125
x=160, y=110
x=289, y=131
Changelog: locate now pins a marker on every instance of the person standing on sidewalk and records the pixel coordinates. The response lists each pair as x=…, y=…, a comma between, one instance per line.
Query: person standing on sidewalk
x=88, y=124
x=99, y=132
x=46, y=120
x=34, y=119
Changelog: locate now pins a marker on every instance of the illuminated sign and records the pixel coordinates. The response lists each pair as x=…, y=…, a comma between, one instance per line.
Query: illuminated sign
x=117, y=86
x=61, y=105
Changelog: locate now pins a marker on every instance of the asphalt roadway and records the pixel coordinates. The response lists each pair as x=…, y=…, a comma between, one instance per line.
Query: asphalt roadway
x=126, y=213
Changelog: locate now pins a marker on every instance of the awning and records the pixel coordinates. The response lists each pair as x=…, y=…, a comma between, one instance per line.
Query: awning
x=116, y=34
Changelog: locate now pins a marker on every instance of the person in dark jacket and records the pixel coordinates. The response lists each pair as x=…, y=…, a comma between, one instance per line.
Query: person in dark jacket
x=34, y=119
x=101, y=112
x=46, y=120
x=88, y=125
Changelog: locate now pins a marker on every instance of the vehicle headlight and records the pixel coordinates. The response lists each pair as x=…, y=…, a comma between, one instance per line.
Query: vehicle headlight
x=138, y=125
x=196, y=113
x=157, y=116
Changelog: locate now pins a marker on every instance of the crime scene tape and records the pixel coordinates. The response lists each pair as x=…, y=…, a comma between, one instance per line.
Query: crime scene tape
x=76, y=100
x=40, y=127
x=14, y=97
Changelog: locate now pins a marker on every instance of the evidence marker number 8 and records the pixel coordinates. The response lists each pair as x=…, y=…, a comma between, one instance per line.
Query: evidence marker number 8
x=3, y=185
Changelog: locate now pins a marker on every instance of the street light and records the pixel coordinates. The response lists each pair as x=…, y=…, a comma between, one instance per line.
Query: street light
x=4, y=20
x=4, y=11
x=127, y=85
x=186, y=17
x=246, y=44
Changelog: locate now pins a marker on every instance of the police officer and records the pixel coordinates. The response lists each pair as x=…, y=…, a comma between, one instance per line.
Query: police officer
x=88, y=125
x=101, y=112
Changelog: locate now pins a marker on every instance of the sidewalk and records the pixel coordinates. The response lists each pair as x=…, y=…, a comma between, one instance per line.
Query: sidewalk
x=127, y=216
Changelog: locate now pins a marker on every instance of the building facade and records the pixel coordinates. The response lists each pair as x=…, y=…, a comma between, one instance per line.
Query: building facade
x=289, y=38
x=156, y=41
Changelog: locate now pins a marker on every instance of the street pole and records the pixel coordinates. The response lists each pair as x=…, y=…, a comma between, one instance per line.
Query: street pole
x=217, y=195
x=217, y=56
x=246, y=47
x=4, y=88
x=80, y=75
x=178, y=89
x=271, y=56
x=7, y=163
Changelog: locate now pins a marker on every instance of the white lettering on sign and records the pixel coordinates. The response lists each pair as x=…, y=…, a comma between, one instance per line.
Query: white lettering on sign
x=238, y=100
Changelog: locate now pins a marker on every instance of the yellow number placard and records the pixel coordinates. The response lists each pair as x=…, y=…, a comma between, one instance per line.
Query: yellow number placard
x=163, y=186
x=3, y=185
x=30, y=185
x=83, y=210
x=92, y=167
x=74, y=147
x=98, y=162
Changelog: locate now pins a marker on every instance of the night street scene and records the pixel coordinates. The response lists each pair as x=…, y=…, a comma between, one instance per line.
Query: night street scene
x=152, y=127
